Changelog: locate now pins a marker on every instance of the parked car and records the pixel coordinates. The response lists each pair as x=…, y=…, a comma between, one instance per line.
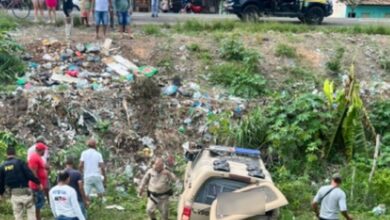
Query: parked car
x=228, y=183
x=308, y=11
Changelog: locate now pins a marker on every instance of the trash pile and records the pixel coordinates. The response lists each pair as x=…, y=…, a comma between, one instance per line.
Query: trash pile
x=88, y=65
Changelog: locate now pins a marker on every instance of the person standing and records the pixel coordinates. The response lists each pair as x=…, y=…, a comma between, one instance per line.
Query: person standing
x=101, y=15
x=76, y=182
x=37, y=166
x=155, y=8
x=158, y=182
x=31, y=150
x=92, y=166
x=85, y=11
x=63, y=200
x=15, y=174
x=67, y=7
x=38, y=7
x=332, y=199
x=123, y=11
x=51, y=8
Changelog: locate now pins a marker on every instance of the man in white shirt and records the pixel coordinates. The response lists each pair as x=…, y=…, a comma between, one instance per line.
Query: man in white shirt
x=92, y=167
x=63, y=200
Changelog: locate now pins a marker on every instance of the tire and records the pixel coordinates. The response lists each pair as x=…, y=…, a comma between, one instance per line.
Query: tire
x=251, y=13
x=314, y=15
x=21, y=9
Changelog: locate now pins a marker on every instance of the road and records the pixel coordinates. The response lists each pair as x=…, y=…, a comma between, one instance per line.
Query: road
x=145, y=18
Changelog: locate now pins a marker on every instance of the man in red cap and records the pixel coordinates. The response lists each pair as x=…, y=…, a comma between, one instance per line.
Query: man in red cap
x=38, y=167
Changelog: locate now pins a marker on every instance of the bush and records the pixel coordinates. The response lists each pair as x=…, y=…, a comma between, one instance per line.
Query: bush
x=234, y=50
x=283, y=50
x=151, y=29
x=380, y=186
x=239, y=80
x=7, y=139
x=334, y=64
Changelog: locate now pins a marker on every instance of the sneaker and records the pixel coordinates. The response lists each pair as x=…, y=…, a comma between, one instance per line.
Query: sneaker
x=48, y=22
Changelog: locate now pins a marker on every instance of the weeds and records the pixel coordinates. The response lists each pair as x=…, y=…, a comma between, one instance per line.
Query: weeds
x=193, y=47
x=283, y=50
x=334, y=64
x=234, y=50
x=384, y=62
x=240, y=81
x=197, y=27
x=151, y=29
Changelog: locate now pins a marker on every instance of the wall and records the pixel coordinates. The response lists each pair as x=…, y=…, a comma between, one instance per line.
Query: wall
x=371, y=11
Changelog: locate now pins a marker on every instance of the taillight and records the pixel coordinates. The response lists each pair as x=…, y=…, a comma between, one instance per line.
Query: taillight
x=186, y=213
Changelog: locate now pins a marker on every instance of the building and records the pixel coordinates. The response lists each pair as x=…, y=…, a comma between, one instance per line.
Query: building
x=370, y=9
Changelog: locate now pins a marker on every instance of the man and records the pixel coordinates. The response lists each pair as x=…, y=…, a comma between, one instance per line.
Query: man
x=37, y=166
x=63, y=200
x=15, y=174
x=31, y=150
x=101, y=15
x=155, y=8
x=332, y=200
x=76, y=182
x=92, y=166
x=158, y=181
x=45, y=158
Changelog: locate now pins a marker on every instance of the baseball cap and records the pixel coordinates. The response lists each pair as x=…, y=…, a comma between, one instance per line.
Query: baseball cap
x=40, y=146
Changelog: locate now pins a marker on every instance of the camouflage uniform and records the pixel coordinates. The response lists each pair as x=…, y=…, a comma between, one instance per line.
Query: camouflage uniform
x=159, y=191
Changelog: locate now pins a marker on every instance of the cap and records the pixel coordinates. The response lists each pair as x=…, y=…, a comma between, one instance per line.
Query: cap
x=40, y=146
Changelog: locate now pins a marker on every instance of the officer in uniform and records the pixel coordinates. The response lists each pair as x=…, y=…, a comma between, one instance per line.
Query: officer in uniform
x=158, y=181
x=15, y=174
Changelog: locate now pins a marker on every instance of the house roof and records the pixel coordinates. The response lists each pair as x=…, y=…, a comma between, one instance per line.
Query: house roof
x=375, y=2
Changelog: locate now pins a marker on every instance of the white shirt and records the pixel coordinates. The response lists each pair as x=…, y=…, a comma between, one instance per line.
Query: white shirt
x=91, y=159
x=32, y=150
x=63, y=201
x=101, y=5
x=334, y=202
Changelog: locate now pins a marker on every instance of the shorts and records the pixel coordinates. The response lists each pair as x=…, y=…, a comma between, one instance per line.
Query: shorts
x=51, y=3
x=101, y=17
x=39, y=198
x=95, y=182
x=123, y=18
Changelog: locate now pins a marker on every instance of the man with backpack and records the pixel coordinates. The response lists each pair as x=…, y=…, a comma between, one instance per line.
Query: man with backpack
x=332, y=199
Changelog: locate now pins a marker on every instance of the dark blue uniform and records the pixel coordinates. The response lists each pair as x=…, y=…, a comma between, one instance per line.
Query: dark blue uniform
x=14, y=173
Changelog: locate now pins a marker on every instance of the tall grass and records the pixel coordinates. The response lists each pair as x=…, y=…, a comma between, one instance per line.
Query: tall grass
x=194, y=26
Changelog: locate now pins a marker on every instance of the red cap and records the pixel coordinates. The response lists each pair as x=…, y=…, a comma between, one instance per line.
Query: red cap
x=40, y=146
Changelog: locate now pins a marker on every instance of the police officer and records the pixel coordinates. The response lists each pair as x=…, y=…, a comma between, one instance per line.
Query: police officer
x=158, y=181
x=15, y=174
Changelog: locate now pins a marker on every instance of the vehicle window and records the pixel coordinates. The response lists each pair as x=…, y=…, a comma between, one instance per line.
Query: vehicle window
x=212, y=187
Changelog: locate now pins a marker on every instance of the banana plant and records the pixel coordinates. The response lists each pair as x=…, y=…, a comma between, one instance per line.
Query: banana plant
x=352, y=116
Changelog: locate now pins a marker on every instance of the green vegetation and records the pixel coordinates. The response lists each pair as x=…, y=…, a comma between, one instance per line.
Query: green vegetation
x=151, y=29
x=11, y=66
x=197, y=27
x=334, y=64
x=283, y=50
x=7, y=139
x=240, y=73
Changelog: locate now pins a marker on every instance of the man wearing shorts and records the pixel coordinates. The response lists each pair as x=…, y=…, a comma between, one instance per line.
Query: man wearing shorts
x=38, y=6
x=101, y=15
x=92, y=166
x=123, y=10
x=38, y=167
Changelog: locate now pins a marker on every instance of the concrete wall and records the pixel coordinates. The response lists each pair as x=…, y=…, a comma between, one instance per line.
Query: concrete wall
x=370, y=11
x=339, y=9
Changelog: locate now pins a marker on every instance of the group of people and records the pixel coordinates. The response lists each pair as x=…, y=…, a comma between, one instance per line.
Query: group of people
x=29, y=186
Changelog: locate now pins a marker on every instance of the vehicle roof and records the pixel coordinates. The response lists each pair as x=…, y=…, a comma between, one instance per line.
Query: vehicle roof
x=238, y=164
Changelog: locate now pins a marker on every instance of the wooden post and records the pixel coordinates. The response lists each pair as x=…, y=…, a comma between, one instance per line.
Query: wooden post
x=353, y=181
x=377, y=146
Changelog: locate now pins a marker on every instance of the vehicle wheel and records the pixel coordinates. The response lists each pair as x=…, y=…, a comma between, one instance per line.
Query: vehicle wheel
x=251, y=13
x=21, y=9
x=314, y=15
x=274, y=215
